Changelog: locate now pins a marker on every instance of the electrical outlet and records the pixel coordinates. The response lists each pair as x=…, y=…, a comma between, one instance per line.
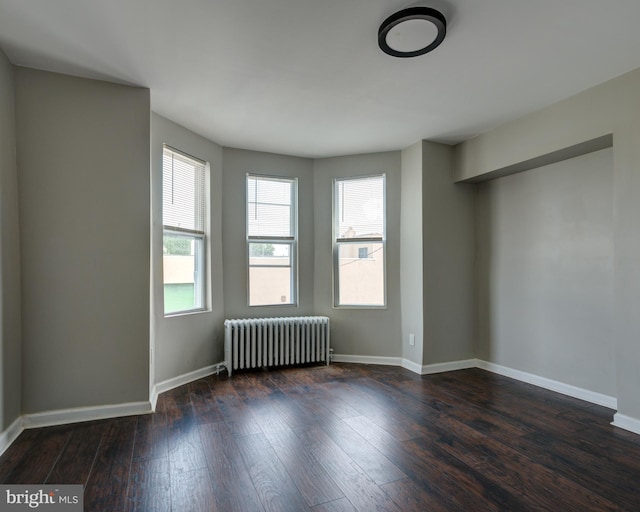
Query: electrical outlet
x=412, y=339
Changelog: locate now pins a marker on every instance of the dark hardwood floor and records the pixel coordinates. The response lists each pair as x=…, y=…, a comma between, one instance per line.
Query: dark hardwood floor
x=343, y=438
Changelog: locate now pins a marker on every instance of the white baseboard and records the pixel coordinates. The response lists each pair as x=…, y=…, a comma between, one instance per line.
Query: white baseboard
x=448, y=367
x=9, y=435
x=438, y=367
x=387, y=361
x=411, y=366
x=553, y=385
x=153, y=398
x=78, y=414
x=183, y=379
x=543, y=382
x=626, y=422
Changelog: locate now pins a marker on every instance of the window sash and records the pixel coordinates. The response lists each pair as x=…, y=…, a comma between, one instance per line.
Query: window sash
x=340, y=226
x=270, y=207
x=198, y=272
x=184, y=198
x=359, y=207
x=184, y=216
x=289, y=265
x=278, y=234
x=362, y=240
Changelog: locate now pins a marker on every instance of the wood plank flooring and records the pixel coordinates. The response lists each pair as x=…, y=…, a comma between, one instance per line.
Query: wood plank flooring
x=343, y=438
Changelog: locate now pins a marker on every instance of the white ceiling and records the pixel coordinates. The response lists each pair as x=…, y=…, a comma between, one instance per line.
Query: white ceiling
x=306, y=77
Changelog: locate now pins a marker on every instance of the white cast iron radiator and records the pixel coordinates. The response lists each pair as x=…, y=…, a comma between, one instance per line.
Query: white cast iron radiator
x=262, y=342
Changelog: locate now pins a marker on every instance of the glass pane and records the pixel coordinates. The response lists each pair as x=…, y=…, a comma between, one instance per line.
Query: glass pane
x=361, y=274
x=269, y=203
x=270, y=254
x=179, y=297
x=180, y=260
x=269, y=286
x=360, y=207
x=269, y=274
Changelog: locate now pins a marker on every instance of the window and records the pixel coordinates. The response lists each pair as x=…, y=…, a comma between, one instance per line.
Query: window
x=271, y=240
x=359, y=242
x=184, y=214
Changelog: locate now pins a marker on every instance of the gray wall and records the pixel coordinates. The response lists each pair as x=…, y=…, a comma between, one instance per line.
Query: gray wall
x=370, y=332
x=611, y=108
x=237, y=163
x=448, y=263
x=185, y=343
x=545, y=272
x=83, y=154
x=10, y=346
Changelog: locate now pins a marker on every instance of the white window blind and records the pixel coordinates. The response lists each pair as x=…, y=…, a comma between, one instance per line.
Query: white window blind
x=184, y=204
x=269, y=207
x=360, y=208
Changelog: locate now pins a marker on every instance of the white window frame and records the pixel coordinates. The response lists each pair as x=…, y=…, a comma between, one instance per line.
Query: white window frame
x=291, y=241
x=338, y=242
x=199, y=240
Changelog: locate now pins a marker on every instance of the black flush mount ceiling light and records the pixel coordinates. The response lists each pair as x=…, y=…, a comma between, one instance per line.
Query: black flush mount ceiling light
x=412, y=32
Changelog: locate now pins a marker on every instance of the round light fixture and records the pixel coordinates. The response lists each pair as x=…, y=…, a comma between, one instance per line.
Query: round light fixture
x=412, y=32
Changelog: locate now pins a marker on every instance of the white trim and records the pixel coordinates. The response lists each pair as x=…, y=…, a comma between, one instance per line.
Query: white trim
x=553, y=385
x=344, y=358
x=542, y=382
x=626, y=422
x=11, y=433
x=428, y=369
x=78, y=414
x=153, y=398
x=449, y=367
x=185, y=378
x=411, y=366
